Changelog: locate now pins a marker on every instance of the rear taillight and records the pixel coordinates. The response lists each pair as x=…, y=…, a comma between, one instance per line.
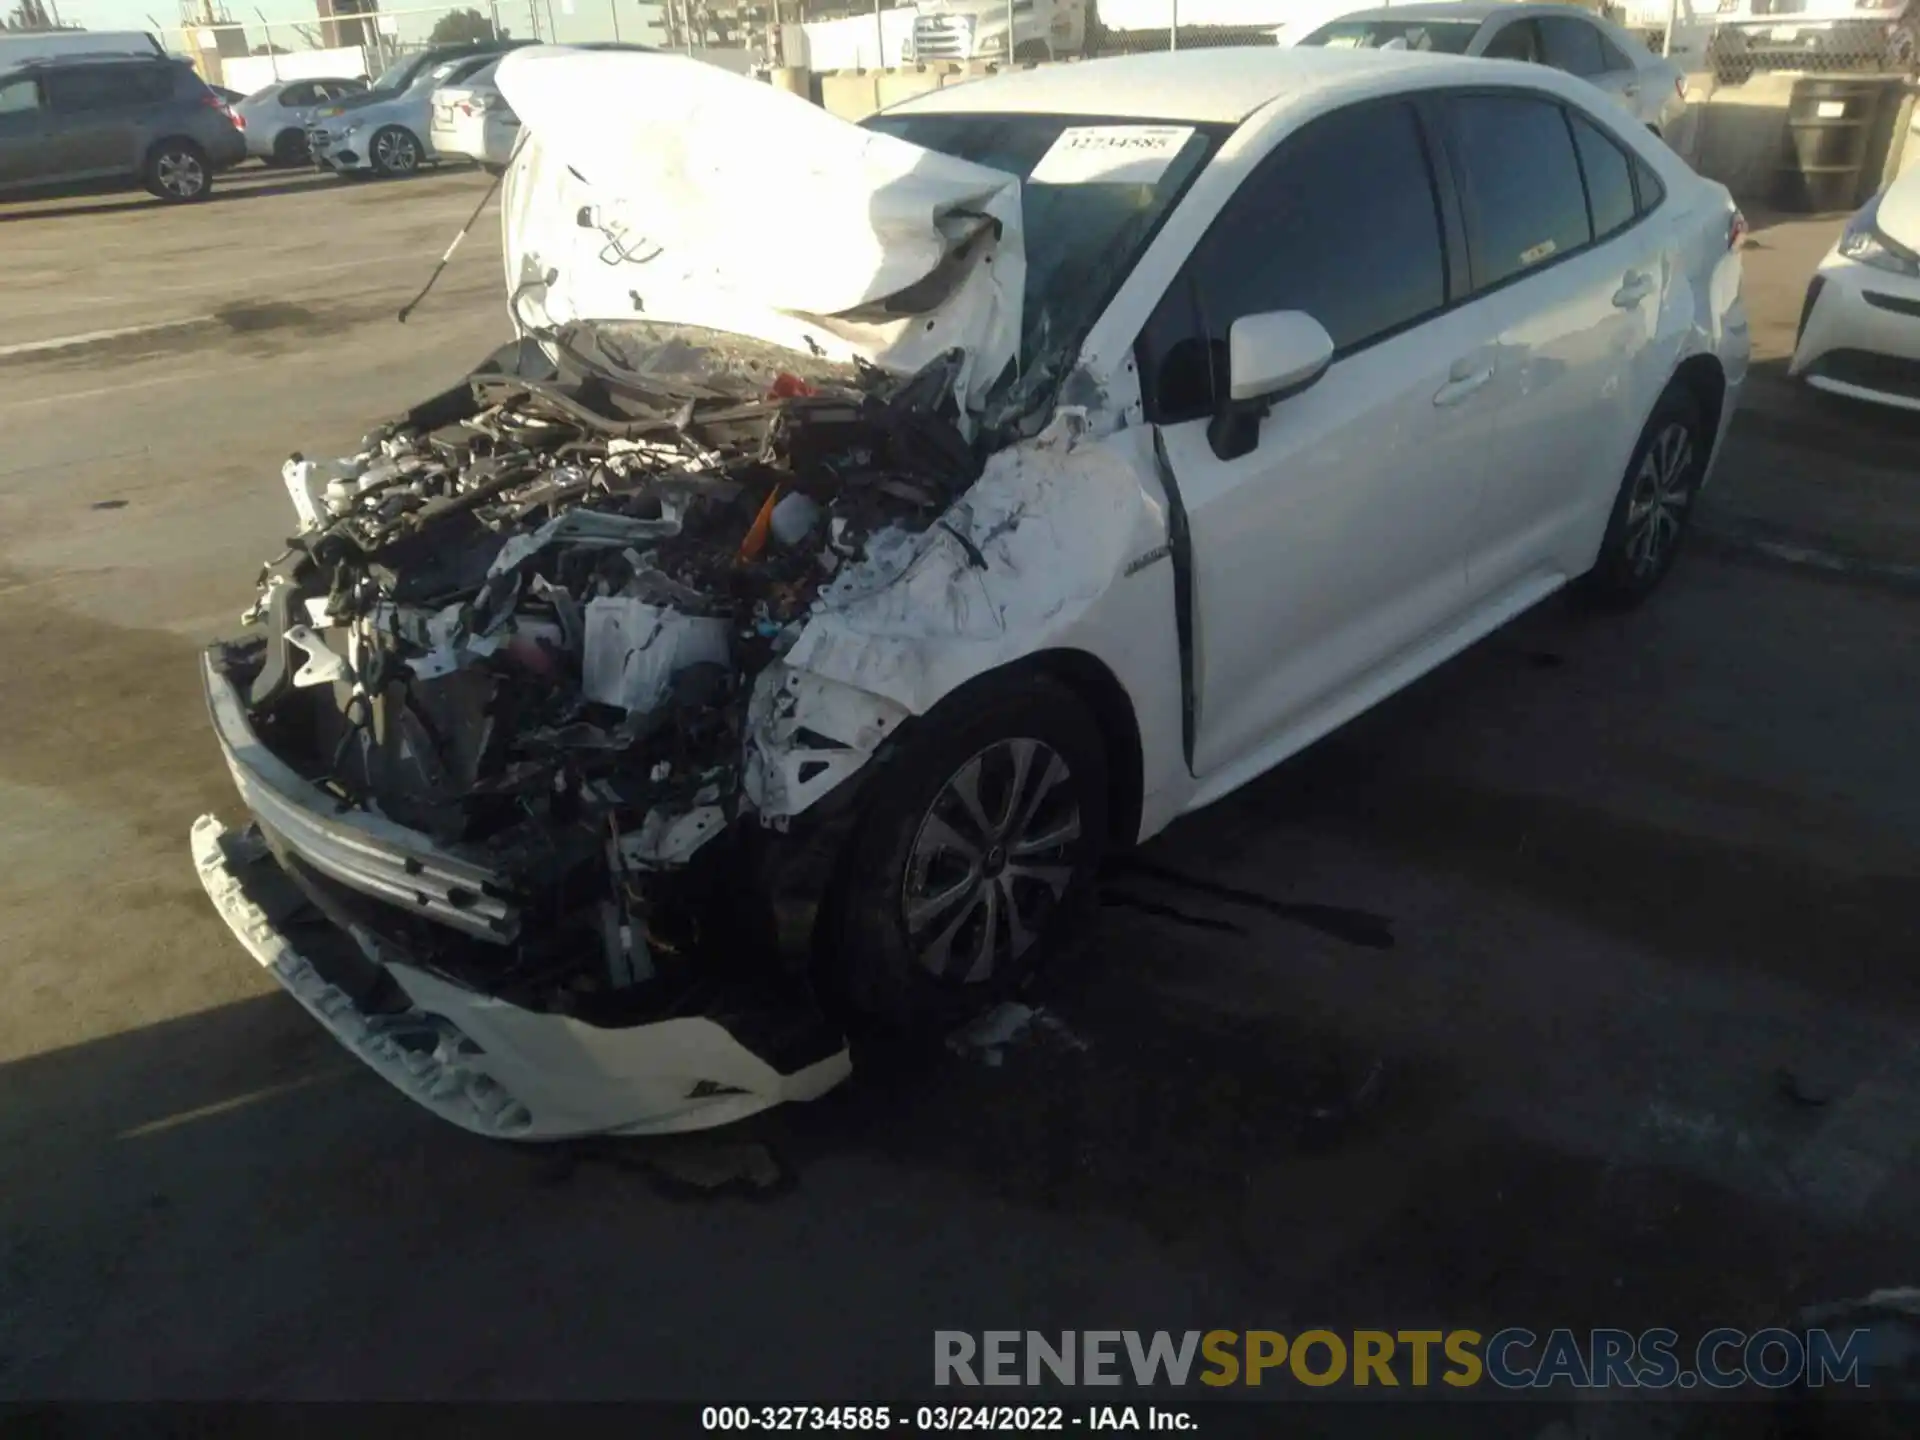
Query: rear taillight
x=234, y=117
x=1680, y=86
x=1736, y=230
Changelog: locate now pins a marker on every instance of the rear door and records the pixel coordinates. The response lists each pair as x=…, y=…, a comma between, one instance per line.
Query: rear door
x=24, y=157
x=1572, y=269
x=95, y=113
x=1338, y=543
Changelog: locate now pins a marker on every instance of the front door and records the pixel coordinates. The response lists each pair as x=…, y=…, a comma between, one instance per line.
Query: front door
x=23, y=132
x=1337, y=544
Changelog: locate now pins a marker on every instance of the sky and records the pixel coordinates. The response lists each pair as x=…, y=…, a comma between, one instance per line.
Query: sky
x=576, y=21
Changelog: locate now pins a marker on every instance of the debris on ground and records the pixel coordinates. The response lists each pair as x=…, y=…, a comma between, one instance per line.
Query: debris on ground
x=991, y=1033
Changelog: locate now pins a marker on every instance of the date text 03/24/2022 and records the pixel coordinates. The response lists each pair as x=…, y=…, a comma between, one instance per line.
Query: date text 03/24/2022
x=941, y=1419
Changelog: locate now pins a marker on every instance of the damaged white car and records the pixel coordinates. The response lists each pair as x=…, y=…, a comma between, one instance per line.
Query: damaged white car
x=874, y=525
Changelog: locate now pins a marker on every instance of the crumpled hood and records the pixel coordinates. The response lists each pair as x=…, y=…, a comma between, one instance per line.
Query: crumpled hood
x=658, y=187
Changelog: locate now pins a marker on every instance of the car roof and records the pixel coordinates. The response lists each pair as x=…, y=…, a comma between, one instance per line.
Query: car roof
x=1475, y=11
x=90, y=58
x=1218, y=86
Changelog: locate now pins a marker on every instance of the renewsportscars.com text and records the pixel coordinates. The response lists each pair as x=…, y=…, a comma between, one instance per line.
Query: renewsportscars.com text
x=1515, y=1358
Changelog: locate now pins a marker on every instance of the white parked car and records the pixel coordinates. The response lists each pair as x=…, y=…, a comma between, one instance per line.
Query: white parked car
x=472, y=120
x=1652, y=89
x=278, y=116
x=872, y=529
x=1860, y=325
x=385, y=131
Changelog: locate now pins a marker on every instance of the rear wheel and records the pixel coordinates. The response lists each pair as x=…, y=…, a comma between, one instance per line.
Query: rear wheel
x=394, y=151
x=1655, y=504
x=1033, y=52
x=290, y=148
x=977, y=853
x=177, y=171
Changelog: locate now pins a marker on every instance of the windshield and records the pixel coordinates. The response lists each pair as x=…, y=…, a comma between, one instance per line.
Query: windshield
x=396, y=75
x=1094, y=193
x=1442, y=37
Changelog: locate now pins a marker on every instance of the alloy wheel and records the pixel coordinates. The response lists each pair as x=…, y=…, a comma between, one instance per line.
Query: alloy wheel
x=993, y=855
x=180, y=174
x=395, y=153
x=1657, y=504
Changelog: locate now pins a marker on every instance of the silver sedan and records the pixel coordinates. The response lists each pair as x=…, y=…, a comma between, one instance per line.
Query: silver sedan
x=1564, y=36
x=278, y=116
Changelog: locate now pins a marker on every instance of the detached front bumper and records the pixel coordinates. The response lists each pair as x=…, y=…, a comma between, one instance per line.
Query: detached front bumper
x=488, y=1066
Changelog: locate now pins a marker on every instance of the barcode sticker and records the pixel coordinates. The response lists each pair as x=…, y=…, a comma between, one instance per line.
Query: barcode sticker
x=1110, y=154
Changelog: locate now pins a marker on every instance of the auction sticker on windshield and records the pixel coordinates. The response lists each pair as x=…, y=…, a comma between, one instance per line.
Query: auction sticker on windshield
x=1110, y=154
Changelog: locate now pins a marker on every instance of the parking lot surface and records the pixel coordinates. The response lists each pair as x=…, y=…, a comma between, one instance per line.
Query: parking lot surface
x=1608, y=1018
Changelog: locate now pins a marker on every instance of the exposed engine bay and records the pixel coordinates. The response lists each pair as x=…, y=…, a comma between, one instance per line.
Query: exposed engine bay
x=528, y=620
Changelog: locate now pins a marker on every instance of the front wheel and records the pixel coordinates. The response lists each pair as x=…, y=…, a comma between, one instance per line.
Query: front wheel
x=1655, y=504
x=976, y=856
x=178, y=173
x=394, y=152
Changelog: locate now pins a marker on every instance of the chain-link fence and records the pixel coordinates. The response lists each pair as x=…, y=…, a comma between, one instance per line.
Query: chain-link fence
x=1731, y=40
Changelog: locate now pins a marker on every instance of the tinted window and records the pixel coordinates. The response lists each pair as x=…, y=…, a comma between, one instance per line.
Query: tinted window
x=18, y=96
x=1611, y=55
x=1609, y=176
x=1524, y=199
x=102, y=89
x=1571, y=45
x=1445, y=37
x=1514, y=42
x=300, y=95
x=1341, y=222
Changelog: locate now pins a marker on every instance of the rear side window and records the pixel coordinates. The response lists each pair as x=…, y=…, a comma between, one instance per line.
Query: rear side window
x=1612, y=55
x=1571, y=45
x=1609, y=177
x=1514, y=42
x=1652, y=192
x=1520, y=181
x=300, y=95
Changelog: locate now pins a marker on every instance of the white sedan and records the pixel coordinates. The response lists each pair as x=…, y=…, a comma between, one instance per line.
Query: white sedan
x=277, y=116
x=1860, y=325
x=873, y=529
x=1652, y=89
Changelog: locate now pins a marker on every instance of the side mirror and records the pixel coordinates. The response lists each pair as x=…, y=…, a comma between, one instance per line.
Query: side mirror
x=1269, y=357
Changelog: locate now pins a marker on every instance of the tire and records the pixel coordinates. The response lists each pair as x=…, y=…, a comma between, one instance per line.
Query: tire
x=394, y=151
x=1034, y=52
x=492, y=169
x=177, y=172
x=917, y=841
x=290, y=149
x=1654, y=508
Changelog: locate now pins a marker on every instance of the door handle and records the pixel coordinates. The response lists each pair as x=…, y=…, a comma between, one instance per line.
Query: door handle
x=1634, y=288
x=1462, y=380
